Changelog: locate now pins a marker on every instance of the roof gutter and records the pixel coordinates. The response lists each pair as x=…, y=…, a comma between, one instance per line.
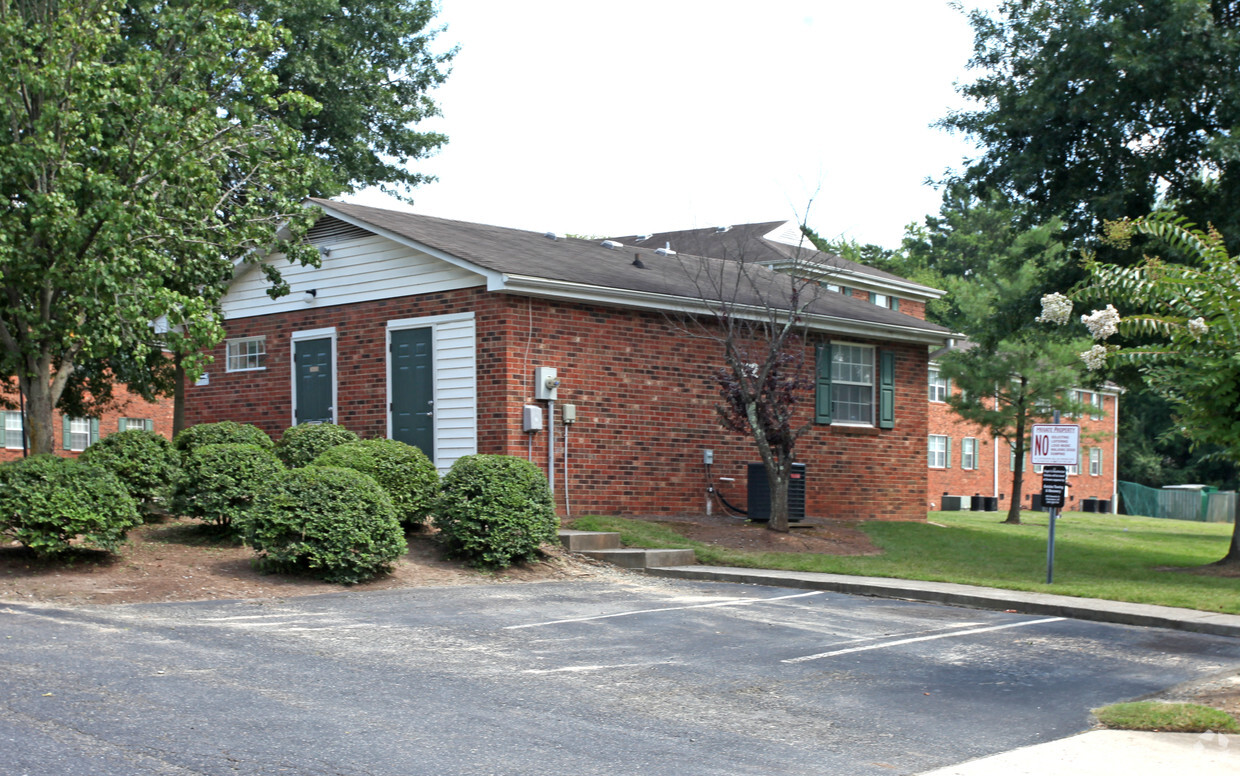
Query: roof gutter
x=648, y=300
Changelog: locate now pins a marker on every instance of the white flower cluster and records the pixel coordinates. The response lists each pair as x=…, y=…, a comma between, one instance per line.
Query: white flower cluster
x=1056, y=308
x=1197, y=327
x=1095, y=358
x=1102, y=323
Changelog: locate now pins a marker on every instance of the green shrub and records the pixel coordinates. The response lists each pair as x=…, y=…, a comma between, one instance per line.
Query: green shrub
x=404, y=471
x=299, y=445
x=47, y=502
x=336, y=524
x=226, y=432
x=495, y=510
x=144, y=462
x=219, y=483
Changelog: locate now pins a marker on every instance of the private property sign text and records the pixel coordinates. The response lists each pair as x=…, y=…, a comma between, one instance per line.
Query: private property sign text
x=1055, y=445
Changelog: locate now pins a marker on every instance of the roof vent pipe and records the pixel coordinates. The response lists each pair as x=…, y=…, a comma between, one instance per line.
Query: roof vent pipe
x=612, y=244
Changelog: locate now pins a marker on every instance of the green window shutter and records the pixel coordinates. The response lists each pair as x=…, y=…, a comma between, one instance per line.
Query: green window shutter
x=94, y=431
x=822, y=386
x=149, y=424
x=949, y=387
x=948, y=458
x=122, y=424
x=1012, y=459
x=871, y=297
x=65, y=433
x=895, y=304
x=887, y=389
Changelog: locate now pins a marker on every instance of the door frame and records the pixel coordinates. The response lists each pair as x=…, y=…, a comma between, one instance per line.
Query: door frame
x=431, y=322
x=312, y=334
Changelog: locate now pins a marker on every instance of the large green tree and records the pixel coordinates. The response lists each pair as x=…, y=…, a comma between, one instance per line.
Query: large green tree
x=1100, y=109
x=1006, y=388
x=1179, y=322
x=126, y=160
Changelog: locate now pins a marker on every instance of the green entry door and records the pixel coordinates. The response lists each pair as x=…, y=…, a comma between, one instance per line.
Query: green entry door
x=413, y=399
x=314, y=380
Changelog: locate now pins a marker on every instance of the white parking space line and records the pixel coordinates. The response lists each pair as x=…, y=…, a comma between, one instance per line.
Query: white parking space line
x=713, y=604
x=583, y=669
x=898, y=642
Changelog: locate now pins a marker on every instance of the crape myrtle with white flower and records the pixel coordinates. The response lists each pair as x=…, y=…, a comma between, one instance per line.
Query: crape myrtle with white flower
x=1178, y=322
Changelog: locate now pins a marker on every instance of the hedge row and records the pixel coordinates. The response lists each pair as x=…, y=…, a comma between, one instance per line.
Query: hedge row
x=336, y=513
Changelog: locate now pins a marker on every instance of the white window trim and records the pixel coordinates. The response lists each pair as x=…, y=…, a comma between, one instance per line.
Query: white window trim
x=20, y=429
x=973, y=467
x=1095, y=457
x=1096, y=401
x=936, y=380
x=311, y=334
x=72, y=433
x=228, y=343
x=944, y=451
x=875, y=367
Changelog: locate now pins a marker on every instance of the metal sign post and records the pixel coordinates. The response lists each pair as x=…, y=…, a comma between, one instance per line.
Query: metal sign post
x=1054, y=448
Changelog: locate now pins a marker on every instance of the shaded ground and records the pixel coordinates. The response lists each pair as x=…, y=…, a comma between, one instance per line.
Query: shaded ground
x=178, y=561
x=817, y=535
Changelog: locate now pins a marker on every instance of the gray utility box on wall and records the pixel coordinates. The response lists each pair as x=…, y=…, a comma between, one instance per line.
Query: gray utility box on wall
x=760, y=494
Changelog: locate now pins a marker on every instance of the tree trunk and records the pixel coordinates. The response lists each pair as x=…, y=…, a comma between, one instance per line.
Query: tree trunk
x=1232, y=558
x=1018, y=477
x=777, y=480
x=39, y=406
x=178, y=395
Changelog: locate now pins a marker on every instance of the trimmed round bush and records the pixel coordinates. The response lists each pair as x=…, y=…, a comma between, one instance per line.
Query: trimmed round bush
x=226, y=432
x=48, y=503
x=495, y=510
x=404, y=471
x=144, y=462
x=219, y=483
x=299, y=445
x=336, y=524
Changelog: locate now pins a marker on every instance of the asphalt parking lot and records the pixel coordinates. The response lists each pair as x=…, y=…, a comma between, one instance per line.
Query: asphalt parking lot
x=635, y=675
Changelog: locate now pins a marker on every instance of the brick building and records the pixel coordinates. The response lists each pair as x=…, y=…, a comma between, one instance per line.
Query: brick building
x=431, y=331
x=73, y=435
x=966, y=462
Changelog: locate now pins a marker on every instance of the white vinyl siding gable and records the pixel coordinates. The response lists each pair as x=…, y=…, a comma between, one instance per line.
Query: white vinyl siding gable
x=358, y=268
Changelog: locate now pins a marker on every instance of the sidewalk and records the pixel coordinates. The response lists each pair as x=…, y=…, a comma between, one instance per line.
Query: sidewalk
x=951, y=594
x=1093, y=753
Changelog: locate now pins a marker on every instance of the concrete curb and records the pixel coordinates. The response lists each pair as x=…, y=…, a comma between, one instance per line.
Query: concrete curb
x=1144, y=615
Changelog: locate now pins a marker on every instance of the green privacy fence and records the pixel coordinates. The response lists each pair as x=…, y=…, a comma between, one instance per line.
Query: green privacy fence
x=1177, y=503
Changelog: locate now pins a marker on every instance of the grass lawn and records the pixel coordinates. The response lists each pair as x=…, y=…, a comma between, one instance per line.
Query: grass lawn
x=1116, y=557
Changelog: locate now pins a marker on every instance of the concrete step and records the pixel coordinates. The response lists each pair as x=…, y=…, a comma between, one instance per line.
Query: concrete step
x=643, y=559
x=582, y=541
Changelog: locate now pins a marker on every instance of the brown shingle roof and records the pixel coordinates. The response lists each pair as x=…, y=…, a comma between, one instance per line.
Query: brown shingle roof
x=517, y=252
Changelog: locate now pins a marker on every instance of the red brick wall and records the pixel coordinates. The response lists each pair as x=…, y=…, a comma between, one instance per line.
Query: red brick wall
x=981, y=481
x=127, y=405
x=644, y=394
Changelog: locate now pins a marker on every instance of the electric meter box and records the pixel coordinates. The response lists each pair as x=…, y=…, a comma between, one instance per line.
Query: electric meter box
x=545, y=383
x=531, y=418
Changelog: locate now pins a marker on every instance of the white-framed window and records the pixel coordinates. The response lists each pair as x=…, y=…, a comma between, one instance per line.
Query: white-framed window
x=141, y=424
x=246, y=354
x=968, y=453
x=884, y=300
x=1037, y=468
x=852, y=384
x=79, y=434
x=13, y=431
x=939, y=448
x=1095, y=401
x=940, y=386
x=1095, y=462
x=837, y=288
x=1080, y=397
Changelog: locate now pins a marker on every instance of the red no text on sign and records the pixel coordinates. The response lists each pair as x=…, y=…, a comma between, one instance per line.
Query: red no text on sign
x=1055, y=445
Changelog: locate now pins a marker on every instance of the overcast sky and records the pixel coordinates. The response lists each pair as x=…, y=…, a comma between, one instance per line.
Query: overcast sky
x=643, y=116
